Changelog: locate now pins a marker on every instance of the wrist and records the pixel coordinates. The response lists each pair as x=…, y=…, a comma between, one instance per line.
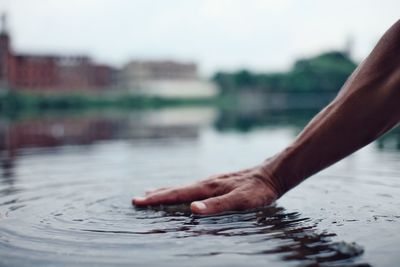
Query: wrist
x=271, y=180
x=277, y=172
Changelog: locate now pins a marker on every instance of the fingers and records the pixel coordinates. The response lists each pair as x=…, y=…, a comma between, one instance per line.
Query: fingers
x=152, y=191
x=230, y=192
x=174, y=195
x=232, y=201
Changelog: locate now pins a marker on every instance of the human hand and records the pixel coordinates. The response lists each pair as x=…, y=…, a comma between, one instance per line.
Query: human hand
x=236, y=191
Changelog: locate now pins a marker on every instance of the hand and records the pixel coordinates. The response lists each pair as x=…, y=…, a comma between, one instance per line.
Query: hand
x=242, y=190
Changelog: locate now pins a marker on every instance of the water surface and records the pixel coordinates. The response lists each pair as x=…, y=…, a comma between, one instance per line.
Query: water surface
x=67, y=182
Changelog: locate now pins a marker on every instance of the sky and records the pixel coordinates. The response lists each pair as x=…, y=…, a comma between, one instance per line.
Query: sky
x=262, y=35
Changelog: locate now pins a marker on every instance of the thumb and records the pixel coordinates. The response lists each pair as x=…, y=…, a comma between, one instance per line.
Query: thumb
x=228, y=202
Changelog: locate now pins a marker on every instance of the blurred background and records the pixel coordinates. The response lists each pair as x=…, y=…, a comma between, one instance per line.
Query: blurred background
x=248, y=63
x=73, y=71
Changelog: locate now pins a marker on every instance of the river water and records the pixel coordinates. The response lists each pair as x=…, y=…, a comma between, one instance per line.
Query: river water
x=67, y=181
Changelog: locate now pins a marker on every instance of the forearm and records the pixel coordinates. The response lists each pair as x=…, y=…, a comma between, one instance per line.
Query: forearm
x=367, y=106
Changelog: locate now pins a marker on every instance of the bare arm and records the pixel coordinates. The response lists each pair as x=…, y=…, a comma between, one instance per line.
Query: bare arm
x=367, y=106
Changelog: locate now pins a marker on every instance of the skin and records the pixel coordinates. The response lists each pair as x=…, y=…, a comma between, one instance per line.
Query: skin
x=367, y=106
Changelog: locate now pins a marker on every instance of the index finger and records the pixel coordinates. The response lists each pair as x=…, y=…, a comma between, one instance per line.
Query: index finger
x=174, y=195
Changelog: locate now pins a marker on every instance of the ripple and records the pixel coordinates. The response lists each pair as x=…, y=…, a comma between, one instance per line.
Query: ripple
x=92, y=230
x=77, y=212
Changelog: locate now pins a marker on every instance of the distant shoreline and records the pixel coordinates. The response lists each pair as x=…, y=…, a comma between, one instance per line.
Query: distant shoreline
x=13, y=101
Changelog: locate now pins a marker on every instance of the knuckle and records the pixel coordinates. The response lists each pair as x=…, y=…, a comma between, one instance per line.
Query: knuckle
x=224, y=176
x=215, y=187
x=212, y=184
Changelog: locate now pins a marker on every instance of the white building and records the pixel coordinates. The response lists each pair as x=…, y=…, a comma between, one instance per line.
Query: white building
x=168, y=79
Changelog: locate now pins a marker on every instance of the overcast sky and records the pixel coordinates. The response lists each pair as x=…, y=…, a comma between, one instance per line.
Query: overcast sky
x=217, y=34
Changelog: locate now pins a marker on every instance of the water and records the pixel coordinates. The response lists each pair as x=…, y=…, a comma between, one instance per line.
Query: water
x=67, y=182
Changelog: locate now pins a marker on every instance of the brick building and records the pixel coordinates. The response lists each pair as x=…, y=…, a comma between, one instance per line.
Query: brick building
x=50, y=73
x=5, y=54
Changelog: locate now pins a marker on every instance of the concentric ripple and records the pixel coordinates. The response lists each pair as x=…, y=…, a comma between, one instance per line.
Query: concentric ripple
x=85, y=223
x=70, y=206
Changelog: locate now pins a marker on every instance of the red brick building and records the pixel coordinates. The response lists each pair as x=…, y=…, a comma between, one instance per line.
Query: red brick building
x=50, y=73
x=5, y=55
x=32, y=72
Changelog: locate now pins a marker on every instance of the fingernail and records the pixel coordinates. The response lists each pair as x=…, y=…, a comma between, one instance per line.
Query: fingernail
x=135, y=199
x=199, y=205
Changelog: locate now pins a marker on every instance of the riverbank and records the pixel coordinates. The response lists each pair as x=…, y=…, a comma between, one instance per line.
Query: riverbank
x=22, y=102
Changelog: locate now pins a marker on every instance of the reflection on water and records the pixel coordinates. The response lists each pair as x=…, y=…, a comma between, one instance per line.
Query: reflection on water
x=67, y=181
x=244, y=121
x=296, y=237
x=391, y=140
x=86, y=130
